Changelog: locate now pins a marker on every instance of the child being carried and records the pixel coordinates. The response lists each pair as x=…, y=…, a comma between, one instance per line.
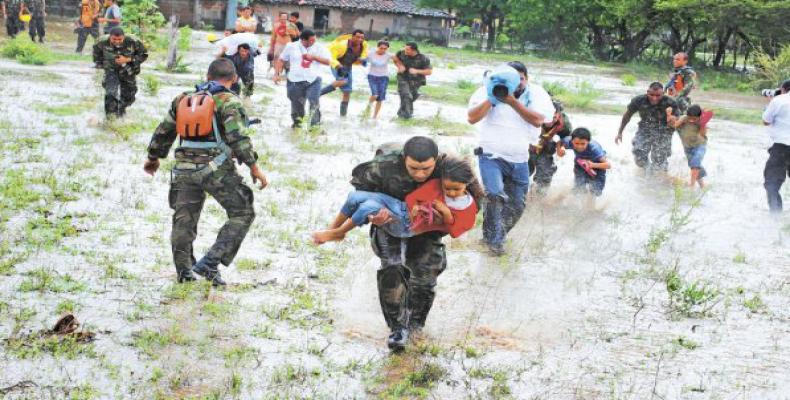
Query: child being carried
x=453, y=198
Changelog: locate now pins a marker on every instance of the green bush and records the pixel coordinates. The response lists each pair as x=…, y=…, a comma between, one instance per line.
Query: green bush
x=26, y=52
x=184, y=38
x=628, y=79
x=772, y=70
x=152, y=84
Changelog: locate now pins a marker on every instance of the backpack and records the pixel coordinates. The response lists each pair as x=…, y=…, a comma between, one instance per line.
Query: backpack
x=195, y=119
x=195, y=116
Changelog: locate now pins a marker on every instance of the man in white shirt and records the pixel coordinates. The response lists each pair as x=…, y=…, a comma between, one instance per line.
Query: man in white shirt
x=777, y=168
x=304, y=82
x=506, y=130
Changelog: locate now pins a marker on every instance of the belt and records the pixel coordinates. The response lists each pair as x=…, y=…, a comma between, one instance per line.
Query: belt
x=184, y=165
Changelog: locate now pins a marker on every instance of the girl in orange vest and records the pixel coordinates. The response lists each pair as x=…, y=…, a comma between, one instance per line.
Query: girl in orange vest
x=447, y=204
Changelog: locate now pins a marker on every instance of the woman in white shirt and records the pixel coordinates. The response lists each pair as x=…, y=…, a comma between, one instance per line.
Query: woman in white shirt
x=378, y=75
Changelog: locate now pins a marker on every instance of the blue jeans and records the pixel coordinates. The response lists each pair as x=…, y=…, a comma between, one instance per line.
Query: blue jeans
x=378, y=86
x=360, y=205
x=347, y=86
x=506, y=185
x=694, y=156
x=582, y=180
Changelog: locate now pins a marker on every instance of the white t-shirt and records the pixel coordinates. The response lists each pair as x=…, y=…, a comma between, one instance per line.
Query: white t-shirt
x=293, y=53
x=379, y=63
x=503, y=133
x=777, y=114
x=233, y=41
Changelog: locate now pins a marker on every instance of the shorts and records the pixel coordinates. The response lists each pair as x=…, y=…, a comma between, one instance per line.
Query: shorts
x=347, y=77
x=694, y=155
x=378, y=86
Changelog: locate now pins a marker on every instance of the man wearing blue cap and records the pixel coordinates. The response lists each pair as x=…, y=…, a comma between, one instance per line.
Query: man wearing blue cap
x=508, y=113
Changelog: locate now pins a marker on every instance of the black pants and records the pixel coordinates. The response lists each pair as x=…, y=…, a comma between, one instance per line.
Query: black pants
x=82, y=35
x=12, y=23
x=542, y=166
x=777, y=169
x=37, y=28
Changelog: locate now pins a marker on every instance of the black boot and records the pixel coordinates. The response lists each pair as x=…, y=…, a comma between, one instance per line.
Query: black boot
x=343, y=108
x=398, y=339
x=211, y=273
x=186, y=276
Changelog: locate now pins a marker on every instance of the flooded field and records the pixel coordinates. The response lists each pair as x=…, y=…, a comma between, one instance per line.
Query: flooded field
x=661, y=292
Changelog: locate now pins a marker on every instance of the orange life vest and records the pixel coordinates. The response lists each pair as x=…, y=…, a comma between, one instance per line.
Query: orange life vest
x=195, y=115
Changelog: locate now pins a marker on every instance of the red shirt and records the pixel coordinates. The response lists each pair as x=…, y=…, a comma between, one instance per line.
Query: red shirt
x=425, y=195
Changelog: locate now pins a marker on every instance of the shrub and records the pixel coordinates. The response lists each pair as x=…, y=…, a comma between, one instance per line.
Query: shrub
x=773, y=70
x=26, y=52
x=151, y=84
x=628, y=79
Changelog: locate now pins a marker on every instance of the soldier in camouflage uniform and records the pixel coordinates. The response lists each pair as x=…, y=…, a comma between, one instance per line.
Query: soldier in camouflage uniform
x=38, y=11
x=652, y=144
x=120, y=56
x=11, y=9
x=541, y=157
x=681, y=81
x=413, y=67
x=202, y=169
x=409, y=266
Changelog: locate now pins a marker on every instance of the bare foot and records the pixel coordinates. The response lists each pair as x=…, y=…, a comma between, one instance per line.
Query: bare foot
x=322, y=237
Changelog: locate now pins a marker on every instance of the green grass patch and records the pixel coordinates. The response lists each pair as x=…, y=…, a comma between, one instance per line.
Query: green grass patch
x=71, y=109
x=437, y=125
x=628, y=79
x=755, y=304
x=67, y=347
x=125, y=128
x=457, y=93
x=46, y=280
x=248, y=264
x=745, y=116
x=583, y=96
x=151, y=341
x=151, y=84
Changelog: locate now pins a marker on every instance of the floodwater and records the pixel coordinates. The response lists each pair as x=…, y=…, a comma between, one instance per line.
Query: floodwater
x=578, y=309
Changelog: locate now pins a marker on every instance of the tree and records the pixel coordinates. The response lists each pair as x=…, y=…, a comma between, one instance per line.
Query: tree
x=489, y=11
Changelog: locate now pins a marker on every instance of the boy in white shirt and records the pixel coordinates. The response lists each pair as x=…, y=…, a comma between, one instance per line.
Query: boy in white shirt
x=777, y=168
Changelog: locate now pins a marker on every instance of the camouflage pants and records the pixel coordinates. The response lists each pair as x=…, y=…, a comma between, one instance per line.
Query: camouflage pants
x=543, y=167
x=408, y=91
x=37, y=27
x=652, y=148
x=188, y=190
x=406, y=289
x=119, y=92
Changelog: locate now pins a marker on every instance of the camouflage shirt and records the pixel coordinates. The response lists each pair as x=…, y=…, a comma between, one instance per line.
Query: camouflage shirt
x=104, y=54
x=684, y=78
x=653, y=116
x=420, y=61
x=36, y=7
x=387, y=174
x=231, y=118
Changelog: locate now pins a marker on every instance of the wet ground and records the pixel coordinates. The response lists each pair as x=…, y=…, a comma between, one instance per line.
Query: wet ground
x=660, y=292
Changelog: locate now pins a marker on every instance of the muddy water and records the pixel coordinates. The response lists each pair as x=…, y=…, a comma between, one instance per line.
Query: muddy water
x=560, y=314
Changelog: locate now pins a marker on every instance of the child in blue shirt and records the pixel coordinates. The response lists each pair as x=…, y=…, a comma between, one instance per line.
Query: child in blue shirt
x=591, y=164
